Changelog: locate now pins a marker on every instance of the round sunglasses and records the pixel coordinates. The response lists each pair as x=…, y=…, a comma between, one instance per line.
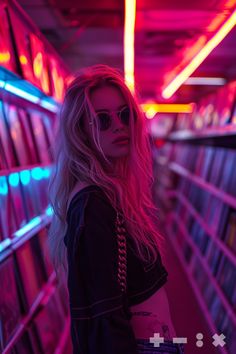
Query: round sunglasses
x=105, y=117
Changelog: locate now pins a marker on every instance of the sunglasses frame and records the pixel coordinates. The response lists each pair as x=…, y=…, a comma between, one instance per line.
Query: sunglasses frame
x=110, y=115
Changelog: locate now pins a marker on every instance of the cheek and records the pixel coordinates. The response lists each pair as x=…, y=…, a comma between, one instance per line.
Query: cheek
x=105, y=140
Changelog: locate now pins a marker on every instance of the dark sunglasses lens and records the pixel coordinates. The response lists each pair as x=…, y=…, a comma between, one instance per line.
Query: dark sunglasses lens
x=125, y=115
x=104, y=120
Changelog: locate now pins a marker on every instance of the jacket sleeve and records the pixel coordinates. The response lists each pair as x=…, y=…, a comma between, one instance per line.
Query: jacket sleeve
x=103, y=325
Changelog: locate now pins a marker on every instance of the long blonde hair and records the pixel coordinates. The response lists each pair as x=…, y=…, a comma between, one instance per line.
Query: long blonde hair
x=128, y=187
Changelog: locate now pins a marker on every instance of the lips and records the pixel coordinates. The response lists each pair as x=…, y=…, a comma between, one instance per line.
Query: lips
x=120, y=139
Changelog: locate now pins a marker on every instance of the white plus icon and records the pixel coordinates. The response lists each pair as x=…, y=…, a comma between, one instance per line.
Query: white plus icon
x=156, y=340
x=218, y=340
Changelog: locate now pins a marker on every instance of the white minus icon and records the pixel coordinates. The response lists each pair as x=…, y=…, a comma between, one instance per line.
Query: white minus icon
x=180, y=340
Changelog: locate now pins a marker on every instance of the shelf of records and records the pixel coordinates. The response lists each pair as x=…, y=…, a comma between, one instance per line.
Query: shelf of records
x=210, y=271
x=214, y=115
x=197, y=198
x=208, y=185
x=203, y=278
x=206, y=255
x=33, y=306
x=24, y=205
x=217, y=137
x=212, y=227
x=212, y=170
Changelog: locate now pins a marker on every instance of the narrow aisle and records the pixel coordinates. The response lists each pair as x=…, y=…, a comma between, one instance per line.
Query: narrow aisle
x=186, y=313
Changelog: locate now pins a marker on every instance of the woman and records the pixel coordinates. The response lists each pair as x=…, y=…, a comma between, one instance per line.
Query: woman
x=105, y=227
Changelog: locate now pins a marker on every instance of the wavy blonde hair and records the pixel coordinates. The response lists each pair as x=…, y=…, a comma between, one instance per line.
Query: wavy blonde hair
x=128, y=185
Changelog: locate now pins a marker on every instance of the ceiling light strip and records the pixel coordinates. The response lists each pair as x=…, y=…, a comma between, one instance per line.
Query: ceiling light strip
x=152, y=108
x=215, y=81
x=129, y=27
x=173, y=86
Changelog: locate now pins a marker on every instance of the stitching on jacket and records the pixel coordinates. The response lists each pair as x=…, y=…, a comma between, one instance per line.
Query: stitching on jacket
x=97, y=302
x=81, y=225
x=76, y=336
x=149, y=267
x=86, y=198
x=143, y=292
x=101, y=313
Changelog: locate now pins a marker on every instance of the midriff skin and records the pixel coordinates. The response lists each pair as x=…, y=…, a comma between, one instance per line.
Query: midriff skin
x=153, y=316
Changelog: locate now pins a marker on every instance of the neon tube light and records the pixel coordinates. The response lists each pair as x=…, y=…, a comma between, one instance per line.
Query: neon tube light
x=4, y=244
x=28, y=96
x=49, y=211
x=151, y=109
x=20, y=93
x=28, y=227
x=173, y=86
x=216, y=81
x=130, y=13
x=49, y=106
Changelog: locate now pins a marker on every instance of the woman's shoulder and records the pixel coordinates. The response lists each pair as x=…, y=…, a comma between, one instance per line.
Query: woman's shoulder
x=77, y=189
x=89, y=206
x=90, y=191
x=88, y=203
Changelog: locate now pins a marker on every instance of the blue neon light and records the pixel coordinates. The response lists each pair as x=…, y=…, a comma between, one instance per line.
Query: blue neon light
x=14, y=179
x=4, y=244
x=3, y=186
x=46, y=173
x=33, y=223
x=49, y=211
x=20, y=93
x=25, y=177
x=50, y=106
x=37, y=173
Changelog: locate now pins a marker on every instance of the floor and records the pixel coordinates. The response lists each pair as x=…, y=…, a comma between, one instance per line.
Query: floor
x=185, y=310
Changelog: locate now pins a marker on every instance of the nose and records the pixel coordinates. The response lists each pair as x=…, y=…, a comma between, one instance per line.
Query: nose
x=116, y=121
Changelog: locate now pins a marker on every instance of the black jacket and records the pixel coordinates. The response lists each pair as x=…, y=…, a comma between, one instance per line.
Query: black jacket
x=99, y=311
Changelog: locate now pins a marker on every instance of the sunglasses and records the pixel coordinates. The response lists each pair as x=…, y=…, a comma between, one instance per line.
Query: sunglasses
x=105, y=118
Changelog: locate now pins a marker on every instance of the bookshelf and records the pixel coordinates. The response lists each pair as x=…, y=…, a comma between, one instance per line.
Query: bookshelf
x=195, y=174
x=33, y=304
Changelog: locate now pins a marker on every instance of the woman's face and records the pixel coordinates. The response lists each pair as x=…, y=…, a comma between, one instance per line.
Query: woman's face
x=109, y=100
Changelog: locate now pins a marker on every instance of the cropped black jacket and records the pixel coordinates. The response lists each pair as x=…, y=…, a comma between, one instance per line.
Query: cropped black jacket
x=100, y=316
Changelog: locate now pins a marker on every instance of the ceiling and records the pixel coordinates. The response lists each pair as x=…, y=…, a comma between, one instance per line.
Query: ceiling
x=167, y=35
